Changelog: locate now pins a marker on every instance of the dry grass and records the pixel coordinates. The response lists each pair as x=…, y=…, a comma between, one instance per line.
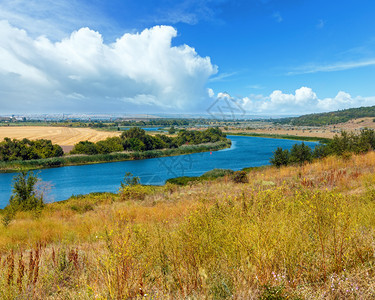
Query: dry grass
x=305, y=232
x=329, y=131
x=63, y=136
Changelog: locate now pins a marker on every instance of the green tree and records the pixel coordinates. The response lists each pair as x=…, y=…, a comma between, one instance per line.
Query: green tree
x=280, y=157
x=129, y=180
x=85, y=147
x=300, y=153
x=24, y=196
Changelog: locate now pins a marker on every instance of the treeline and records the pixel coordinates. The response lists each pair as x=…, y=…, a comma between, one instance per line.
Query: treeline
x=341, y=145
x=153, y=122
x=330, y=118
x=157, y=122
x=136, y=139
x=13, y=166
x=25, y=149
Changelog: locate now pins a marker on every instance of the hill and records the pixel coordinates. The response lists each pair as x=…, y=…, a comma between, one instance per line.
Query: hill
x=297, y=232
x=330, y=118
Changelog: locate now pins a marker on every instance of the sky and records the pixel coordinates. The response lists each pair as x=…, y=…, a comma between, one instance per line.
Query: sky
x=259, y=57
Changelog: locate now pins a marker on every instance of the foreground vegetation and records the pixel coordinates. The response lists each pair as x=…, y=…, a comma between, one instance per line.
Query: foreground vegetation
x=342, y=145
x=296, y=232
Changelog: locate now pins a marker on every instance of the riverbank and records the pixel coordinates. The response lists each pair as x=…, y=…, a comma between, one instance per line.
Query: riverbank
x=298, y=232
x=14, y=166
x=282, y=136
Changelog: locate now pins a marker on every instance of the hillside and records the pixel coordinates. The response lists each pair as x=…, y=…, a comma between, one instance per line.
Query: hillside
x=330, y=118
x=303, y=232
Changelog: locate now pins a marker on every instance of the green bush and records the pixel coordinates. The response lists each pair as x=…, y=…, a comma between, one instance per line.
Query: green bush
x=240, y=177
x=11, y=150
x=216, y=173
x=24, y=197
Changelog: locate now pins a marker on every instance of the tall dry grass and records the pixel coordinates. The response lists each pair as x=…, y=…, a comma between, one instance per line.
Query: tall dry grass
x=303, y=232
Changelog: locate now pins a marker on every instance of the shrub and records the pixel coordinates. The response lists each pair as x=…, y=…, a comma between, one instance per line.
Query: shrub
x=216, y=173
x=184, y=180
x=240, y=177
x=135, y=192
x=129, y=179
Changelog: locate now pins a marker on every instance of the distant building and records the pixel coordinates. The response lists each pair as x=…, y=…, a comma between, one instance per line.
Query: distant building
x=5, y=119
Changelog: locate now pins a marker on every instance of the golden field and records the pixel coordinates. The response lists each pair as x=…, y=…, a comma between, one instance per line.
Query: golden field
x=298, y=232
x=63, y=136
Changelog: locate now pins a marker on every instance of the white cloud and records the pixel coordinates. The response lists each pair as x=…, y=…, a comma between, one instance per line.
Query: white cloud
x=303, y=101
x=82, y=73
x=340, y=66
x=53, y=18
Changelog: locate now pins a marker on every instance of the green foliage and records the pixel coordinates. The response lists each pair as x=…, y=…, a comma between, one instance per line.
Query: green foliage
x=342, y=145
x=136, y=139
x=300, y=153
x=7, y=217
x=280, y=157
x=330, y=118
x=129, y=179
x=85, y=147
x=11, y=150
x=216, y=173
x=131, y=189
x=240, y=177
x=213, y=174
x=24, y=195
x=184, y=180
x=172, y=130
x=109, y=157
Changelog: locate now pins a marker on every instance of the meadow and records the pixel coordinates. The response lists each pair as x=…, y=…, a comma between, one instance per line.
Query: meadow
x=296, y=232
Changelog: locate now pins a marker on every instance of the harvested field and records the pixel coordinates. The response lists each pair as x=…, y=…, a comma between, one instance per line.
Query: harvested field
x=63, y=136
x=329, y=131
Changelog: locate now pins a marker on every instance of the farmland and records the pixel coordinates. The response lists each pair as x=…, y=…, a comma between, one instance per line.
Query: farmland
x=63, y=136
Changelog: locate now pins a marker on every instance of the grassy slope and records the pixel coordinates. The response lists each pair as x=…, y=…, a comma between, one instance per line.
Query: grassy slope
x=304, y=232
x=329, y=118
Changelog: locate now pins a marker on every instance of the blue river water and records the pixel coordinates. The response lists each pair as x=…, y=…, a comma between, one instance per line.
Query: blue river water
x=74, y=180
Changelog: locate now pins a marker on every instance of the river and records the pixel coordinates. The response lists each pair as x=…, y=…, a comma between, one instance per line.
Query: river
x=74, y=180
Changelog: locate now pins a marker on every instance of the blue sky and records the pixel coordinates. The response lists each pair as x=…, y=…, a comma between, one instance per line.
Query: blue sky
x=272, y=57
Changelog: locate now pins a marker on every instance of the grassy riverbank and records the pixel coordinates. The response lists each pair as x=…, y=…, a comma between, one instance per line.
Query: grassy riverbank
x=13, y=166
x=296, y=232
x=281, y=136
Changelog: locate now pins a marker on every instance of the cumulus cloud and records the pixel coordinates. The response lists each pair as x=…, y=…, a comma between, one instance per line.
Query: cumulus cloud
x=82, y=73
x=303, y=101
